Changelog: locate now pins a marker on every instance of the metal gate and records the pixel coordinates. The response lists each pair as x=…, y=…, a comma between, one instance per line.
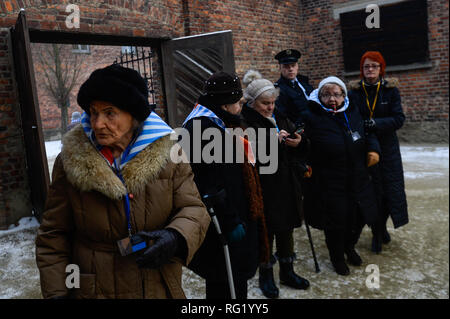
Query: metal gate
x=140, y=59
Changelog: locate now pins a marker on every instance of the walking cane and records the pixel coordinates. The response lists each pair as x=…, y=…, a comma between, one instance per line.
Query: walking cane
x=209, y=199
x=316, y=264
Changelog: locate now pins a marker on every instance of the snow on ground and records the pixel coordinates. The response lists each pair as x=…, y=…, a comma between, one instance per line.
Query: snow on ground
x=414, y=265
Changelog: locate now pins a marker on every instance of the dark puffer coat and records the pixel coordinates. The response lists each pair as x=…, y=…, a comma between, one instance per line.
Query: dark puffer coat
x=388, y=174
x=209, y=261
x=292, y=101
x=282, y=190
x=340, y=178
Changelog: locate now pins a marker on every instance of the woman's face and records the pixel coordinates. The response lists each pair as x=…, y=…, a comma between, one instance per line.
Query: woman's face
x=112, y=126
x=234, y=108
x=332, y=96
x=371, y=70
x=264, y=105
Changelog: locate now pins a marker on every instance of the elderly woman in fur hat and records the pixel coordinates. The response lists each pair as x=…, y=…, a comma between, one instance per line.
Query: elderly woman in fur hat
x=378, y=99
x=339, y=196
x=233, y=184
x=118, y=208
x=282, y=192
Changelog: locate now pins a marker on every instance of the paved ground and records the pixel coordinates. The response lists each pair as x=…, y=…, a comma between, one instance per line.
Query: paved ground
x=414, y=265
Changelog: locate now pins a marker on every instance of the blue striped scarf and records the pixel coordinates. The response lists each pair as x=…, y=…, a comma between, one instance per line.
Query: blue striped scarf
x=202, y=111
x=153, y=129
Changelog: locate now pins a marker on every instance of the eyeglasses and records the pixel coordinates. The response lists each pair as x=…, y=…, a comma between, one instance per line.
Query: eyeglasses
x=329, y=96
x=371, y=66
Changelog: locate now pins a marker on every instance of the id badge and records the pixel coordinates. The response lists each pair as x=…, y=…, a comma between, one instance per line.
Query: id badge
x=355, y=136
x=130, y=245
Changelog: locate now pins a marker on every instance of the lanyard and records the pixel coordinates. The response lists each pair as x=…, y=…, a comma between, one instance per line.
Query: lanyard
x=347, y=122
x=371, y=109
x=276, y=125
x=126, y=199
x=297, y=82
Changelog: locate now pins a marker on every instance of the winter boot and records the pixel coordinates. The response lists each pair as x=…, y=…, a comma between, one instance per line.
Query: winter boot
x=352, y=257
x=376, y=244
x=267, y=282
x=288, y=277
x=341, y=267
x=386, y=237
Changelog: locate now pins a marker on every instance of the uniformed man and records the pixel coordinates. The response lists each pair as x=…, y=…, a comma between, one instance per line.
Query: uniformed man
x=294, y=88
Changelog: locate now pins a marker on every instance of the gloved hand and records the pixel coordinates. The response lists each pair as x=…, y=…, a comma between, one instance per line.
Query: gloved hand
x=372, y=158
x=308, y=173
x=370, y=125
x=164, y=247
x=236, y=234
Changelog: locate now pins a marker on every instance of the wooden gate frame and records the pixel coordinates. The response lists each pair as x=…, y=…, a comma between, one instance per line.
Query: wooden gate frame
x=22, y=36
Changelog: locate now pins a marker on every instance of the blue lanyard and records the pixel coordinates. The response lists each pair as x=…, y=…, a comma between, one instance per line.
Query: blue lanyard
x=348, y=123
x=126, y=199
x=273, y=116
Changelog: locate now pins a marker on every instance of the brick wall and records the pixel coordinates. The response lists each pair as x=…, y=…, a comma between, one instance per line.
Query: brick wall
x=14, y=189
x=260, y=30
x=424, y=92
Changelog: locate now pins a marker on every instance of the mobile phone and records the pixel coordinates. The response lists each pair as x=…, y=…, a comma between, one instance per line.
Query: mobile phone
x=299, y=130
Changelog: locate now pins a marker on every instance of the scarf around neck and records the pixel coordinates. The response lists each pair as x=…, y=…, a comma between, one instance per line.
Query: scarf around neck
x=152, y=129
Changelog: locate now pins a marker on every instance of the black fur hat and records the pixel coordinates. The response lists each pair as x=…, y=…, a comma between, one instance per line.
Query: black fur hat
x=221, y=88
x=123, y=87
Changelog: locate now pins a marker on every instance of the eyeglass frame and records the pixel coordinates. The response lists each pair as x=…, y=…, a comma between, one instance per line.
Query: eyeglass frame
x=328, y=96
x=371, y=66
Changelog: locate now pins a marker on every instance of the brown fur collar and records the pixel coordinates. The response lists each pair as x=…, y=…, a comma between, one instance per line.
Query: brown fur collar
x=388, y=83
x=87, y=170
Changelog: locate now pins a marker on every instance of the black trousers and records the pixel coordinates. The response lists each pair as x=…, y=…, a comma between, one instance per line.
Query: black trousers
x=221, y=289
x=284, y=242
x=340, y=240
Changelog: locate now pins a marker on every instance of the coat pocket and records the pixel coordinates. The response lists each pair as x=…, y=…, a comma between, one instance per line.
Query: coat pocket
x=87, y=287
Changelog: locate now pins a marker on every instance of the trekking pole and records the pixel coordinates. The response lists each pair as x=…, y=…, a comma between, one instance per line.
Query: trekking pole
x=208, y=199
x=316, y=264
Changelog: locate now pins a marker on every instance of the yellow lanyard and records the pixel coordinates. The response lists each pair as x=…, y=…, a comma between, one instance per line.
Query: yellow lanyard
x=371, y=109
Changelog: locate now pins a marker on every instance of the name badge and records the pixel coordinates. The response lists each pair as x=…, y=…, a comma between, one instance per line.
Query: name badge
x=355, y=136
x=130, y=245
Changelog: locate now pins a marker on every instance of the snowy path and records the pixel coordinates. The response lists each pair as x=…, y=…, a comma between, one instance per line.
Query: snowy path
x=413, y=265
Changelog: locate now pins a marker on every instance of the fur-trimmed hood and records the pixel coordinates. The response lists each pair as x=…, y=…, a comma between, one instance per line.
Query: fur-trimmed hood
x=87, y=170
x=387, y=82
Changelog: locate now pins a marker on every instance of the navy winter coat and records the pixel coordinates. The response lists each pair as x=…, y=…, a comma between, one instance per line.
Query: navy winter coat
x=292, y=101
x=209, y=261
x=340, y=180
x=388, y=174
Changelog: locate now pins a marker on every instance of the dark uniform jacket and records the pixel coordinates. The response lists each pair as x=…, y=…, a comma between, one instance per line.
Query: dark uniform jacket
x=388, y=173
x=292, y=101
x=340, y=181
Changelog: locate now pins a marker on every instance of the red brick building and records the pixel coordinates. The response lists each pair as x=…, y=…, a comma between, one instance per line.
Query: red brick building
x=260, y=29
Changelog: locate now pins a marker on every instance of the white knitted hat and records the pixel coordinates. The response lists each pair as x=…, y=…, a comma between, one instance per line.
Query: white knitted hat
x=256, y=85
x=333, y=80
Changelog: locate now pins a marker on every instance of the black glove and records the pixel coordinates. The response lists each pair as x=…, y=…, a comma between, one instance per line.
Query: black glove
x=165, y=246
x=370, y=125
